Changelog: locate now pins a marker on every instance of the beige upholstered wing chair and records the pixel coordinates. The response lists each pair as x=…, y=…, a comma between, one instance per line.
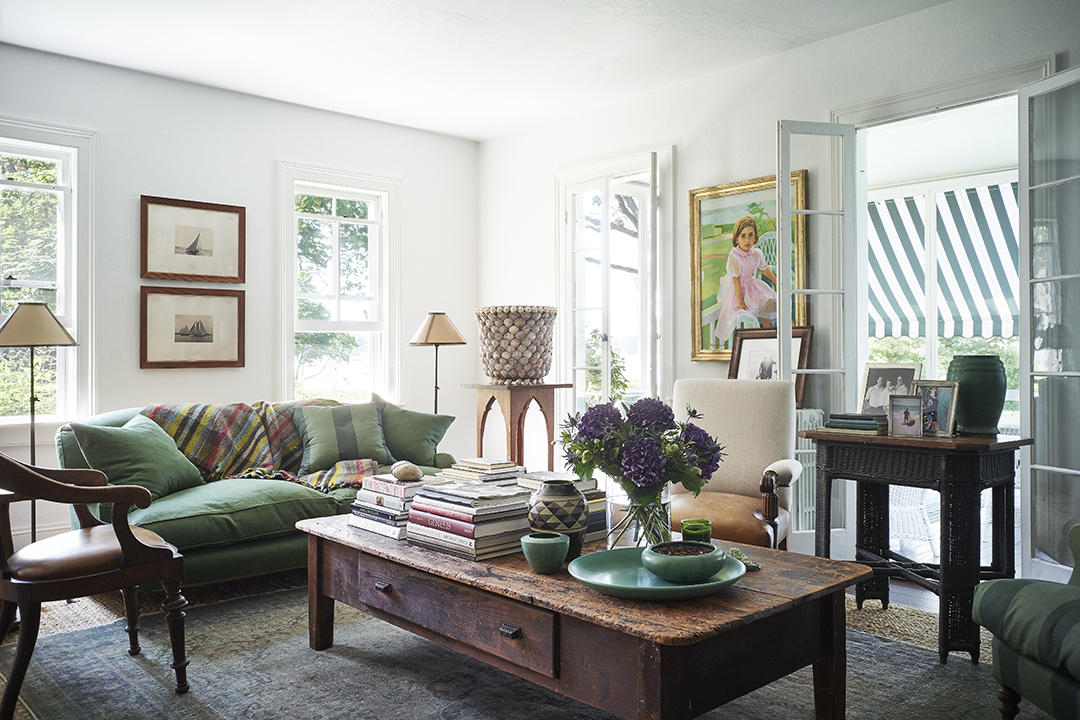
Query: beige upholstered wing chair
x=754, y=420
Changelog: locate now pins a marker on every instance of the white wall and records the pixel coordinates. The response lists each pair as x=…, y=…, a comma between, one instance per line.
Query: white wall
x=724, y=130
x=178, y=140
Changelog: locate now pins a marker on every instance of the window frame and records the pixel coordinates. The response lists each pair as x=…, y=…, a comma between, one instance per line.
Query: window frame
x=384, y=266
x=75, y=151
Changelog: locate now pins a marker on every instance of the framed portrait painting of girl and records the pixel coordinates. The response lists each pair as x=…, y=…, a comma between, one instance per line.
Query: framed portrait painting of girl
x=733, y=261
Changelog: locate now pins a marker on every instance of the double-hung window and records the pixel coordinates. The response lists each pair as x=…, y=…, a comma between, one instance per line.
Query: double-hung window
x=341, y=305
x=37, y=264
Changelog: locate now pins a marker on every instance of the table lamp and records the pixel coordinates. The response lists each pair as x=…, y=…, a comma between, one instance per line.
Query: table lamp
x=33, y=325
x=436, y=330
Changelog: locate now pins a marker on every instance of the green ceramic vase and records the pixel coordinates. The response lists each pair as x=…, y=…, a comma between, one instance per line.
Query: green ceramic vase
x=980, y=396
x=558, y=506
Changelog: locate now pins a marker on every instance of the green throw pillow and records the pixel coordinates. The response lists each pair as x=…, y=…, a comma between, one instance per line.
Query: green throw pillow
x=413, y=436
x=344, y=432
x=139, y=453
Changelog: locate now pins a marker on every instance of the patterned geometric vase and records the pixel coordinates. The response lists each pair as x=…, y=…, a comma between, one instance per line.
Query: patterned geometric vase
x=558, y=506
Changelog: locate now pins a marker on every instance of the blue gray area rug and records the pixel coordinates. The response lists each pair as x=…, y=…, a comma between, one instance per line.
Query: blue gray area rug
x=250, y=659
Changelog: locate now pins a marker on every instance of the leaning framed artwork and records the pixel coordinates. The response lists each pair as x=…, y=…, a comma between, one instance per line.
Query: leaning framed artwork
x=938, y=406
x=754, y=353
x=185, y=240
x=191, y=328
x=881, y=380
x=733, y=256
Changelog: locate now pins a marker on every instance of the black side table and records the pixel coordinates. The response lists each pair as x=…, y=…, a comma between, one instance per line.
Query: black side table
x=959, y=468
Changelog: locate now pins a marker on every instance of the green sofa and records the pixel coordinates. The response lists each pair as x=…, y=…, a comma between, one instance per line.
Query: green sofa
x=230, y=482
x=1036, y=643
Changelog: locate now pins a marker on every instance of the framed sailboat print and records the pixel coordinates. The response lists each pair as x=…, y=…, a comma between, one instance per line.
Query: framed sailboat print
x=191, y=328
x=186, y=240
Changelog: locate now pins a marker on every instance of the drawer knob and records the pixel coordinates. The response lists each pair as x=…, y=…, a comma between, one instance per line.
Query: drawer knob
x=383, y=586
x=513, y=632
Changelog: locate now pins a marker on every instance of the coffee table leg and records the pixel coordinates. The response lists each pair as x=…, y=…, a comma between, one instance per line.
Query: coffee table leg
x=830, y=673
x=320, y=607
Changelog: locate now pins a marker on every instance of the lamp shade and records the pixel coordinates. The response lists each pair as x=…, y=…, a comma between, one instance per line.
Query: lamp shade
x=34, y=325
x=437, y=329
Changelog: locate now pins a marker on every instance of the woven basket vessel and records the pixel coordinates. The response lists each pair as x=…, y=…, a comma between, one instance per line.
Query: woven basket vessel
x=515, y=343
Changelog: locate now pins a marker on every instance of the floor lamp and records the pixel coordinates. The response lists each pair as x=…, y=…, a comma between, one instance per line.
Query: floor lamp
x=437, y=330
x=33, y=325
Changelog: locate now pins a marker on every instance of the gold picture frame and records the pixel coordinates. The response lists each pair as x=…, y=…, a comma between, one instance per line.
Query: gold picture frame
x=714, y=213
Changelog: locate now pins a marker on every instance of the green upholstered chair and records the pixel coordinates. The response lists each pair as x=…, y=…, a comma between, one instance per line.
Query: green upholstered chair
x=1036, y=629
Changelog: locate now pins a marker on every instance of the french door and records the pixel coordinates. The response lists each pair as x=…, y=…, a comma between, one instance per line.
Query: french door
x=1050, y=345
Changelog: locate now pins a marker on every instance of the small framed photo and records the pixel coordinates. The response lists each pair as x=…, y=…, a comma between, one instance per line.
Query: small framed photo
x=754, y=353
x=880, y=380
x=938, y=399
x=905, y=415
x=188, y=327
x=185, y=240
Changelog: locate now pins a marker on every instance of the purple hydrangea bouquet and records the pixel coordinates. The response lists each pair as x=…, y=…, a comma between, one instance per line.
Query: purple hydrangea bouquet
x=643, y=449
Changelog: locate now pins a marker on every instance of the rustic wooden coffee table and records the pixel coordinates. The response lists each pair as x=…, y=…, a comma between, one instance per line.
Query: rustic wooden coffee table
x=631, y=658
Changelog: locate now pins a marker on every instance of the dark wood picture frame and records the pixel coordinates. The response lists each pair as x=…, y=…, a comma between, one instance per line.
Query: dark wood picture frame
x=747, y=343
x=191, y=328
x=188, y=240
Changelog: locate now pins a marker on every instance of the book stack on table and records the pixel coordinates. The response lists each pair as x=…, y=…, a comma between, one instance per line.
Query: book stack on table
x=596, y=498
x=857, y=424
x=382, y=504
x=473, y=520
x=482, y=470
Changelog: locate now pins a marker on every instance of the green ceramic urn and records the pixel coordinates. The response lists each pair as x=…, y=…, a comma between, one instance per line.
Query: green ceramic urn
x=980, y=395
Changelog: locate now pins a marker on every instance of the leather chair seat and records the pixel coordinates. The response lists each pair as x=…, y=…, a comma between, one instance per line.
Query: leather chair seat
x=738, y=516
x=78, y=553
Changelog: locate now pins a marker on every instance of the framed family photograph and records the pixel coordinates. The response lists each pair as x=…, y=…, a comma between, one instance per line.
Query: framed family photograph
x=880, y=380
x=188, y=327
x=185, y=240
x=905, y=415
x=733, y=261
x=754, y=355
x=938, y=399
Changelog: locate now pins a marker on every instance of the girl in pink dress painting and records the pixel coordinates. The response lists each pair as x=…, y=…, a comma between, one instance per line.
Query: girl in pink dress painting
x=741, y=292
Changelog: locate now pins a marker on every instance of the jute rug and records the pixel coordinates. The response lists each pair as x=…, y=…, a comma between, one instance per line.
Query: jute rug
x=250, y=659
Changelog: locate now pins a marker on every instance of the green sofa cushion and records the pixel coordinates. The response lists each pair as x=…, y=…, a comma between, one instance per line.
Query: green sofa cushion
x=232, y=510
x=344, y=432
x=1038, y=619
x=413, y=436
x=138, y=453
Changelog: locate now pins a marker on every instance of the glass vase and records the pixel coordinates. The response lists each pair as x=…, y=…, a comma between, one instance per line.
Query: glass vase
x=638, y=521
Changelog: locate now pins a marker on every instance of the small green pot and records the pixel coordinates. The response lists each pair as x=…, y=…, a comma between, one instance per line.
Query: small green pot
x=683, y=568
x=545, y=551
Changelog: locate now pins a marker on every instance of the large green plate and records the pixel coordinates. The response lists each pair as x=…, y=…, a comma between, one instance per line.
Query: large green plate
x=620, y=573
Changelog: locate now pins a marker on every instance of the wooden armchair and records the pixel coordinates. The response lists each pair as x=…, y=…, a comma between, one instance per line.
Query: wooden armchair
x=99, y=557
x=747, y=497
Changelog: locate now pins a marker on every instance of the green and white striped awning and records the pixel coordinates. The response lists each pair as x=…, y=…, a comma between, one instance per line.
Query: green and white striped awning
x=977, y=257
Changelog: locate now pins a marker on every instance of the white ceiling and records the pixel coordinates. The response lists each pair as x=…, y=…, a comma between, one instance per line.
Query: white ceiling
x=476, y=69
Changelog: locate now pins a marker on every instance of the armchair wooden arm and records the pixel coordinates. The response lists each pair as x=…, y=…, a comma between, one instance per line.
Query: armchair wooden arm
x=781, y=473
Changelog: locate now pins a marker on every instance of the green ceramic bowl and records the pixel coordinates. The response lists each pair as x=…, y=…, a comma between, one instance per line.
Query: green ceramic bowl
x=683, y=568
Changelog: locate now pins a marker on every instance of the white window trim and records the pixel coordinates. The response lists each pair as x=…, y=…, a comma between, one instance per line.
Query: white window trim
x=81, y=146
x=665, y=271
x=388, y=381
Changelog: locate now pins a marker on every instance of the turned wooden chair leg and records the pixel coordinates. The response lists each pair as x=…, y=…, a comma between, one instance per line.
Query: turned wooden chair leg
x=174, y=605
x=28, y=634
x=131, y=612
x=1008, y=701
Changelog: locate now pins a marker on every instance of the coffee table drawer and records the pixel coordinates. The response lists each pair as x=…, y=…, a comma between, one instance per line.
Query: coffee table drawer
x=516, y=632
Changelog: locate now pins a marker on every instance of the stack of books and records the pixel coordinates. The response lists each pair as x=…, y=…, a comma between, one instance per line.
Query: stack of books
x=857, y=424
x=597, y=528
x=472, y=520
x=533, y=480
x=382, y=504
x=482, y=470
